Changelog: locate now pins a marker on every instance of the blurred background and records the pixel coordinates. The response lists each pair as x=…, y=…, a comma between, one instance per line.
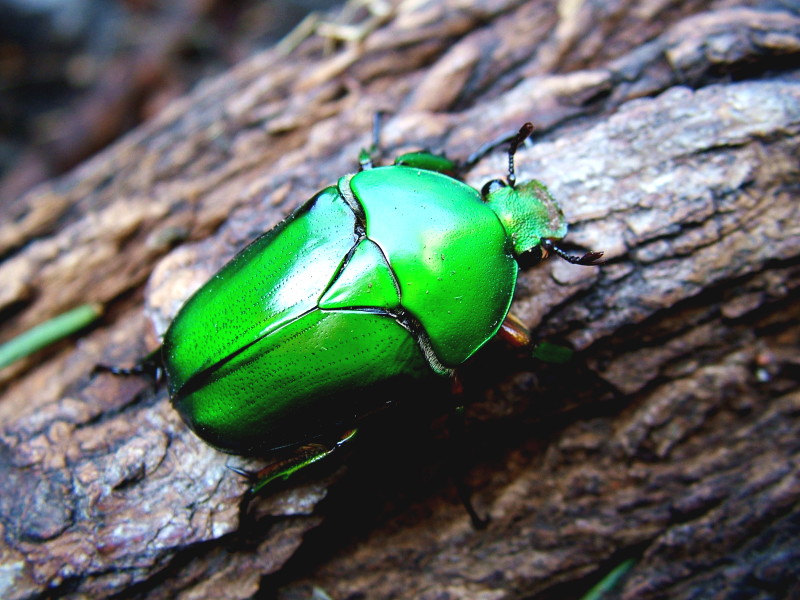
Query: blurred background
x=77, y=74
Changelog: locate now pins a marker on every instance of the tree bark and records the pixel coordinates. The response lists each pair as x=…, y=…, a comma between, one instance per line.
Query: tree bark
x=669, y=134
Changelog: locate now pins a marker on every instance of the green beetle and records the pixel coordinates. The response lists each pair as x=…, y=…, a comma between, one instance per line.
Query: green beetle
x=395, y=274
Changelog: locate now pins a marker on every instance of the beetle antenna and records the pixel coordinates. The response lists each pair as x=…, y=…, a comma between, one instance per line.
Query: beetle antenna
x=590, y=259
x=516, y=141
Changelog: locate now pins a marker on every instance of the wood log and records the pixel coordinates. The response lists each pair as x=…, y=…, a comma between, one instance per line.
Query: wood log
x=668, y=132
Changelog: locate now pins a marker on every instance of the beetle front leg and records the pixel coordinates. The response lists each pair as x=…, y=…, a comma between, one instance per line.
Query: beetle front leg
x=515, y=139
x=302, y=456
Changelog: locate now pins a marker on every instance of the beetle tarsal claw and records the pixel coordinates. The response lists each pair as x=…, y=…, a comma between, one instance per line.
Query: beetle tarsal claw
x=589, y=259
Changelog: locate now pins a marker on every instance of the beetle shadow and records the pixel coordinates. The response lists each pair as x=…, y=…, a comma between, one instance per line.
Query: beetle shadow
x=399, y=471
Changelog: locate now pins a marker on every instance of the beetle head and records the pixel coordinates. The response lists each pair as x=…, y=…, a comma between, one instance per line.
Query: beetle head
x=528, y=212
x=530, y=215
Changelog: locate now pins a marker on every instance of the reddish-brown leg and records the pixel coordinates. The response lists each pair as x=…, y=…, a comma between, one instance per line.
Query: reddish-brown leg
x=514, y=333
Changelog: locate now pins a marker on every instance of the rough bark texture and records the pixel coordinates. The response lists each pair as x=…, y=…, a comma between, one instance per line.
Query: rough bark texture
x=668, y=130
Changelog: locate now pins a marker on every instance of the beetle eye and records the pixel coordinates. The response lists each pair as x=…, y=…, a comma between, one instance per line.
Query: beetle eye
x=531, y=258
x=492, y=186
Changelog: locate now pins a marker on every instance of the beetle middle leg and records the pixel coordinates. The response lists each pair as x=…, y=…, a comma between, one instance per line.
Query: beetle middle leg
x=421, y=159
x=300, y=457
x=514, y=139
x=369, y=156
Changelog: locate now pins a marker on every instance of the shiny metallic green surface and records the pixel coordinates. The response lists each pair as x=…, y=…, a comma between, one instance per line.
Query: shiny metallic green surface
x=300, y=380
x=393, y=275
x=274, y=280
x=427, y=161
x=253, y=361
x=451, y=255
x=365, y=281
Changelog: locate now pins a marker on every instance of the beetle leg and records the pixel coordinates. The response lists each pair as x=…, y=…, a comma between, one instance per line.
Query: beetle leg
x=518, y=336
x=302, y=456
x=150, y=366
x=514, y=139
x=590, y=259
x=458, y=466
x=368, y=157
x=515, y=333
x=422, y=159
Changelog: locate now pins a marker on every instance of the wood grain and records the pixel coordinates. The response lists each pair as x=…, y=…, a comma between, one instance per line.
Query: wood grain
x=669, y=132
